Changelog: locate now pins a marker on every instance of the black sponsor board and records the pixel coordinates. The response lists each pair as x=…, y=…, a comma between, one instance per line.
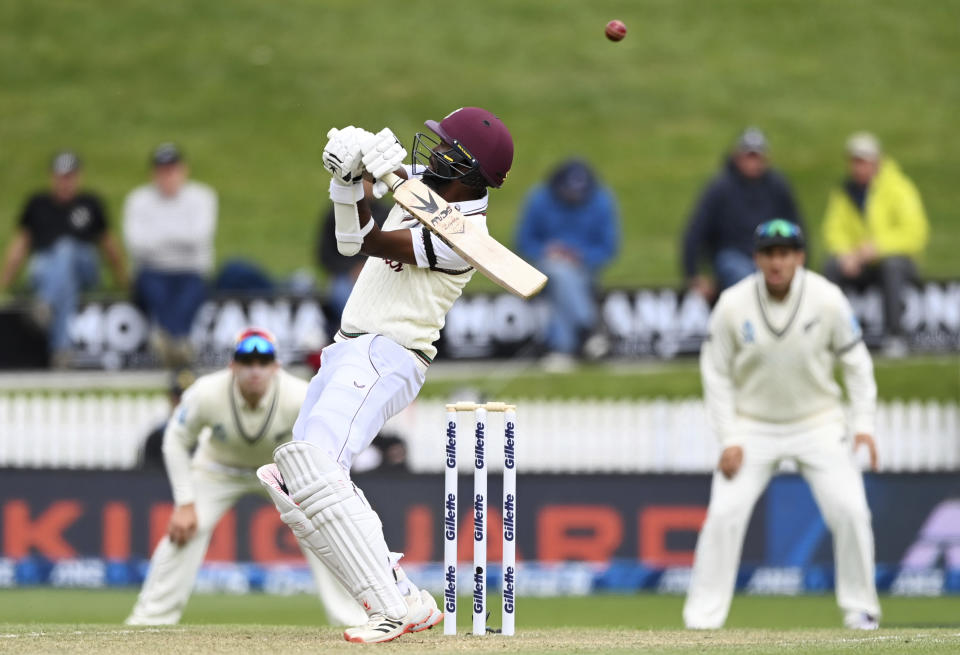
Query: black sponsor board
x=592, y=518
x=646, y=323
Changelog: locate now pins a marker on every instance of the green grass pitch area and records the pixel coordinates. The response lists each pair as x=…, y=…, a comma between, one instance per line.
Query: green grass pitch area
x=47, y=620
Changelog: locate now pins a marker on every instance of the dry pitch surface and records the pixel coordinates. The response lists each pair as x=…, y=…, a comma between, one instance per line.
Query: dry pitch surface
x=251, y=639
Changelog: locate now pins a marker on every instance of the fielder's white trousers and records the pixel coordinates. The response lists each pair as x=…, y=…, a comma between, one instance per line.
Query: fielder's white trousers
x=825, y=460
x=361, y=383
x=173, y=569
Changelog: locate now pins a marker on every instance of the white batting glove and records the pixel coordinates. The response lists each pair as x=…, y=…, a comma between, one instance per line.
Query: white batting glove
x=342, y=156
x=342, y=159
x=383, y=153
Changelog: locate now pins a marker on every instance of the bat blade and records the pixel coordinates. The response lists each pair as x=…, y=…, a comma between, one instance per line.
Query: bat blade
x=481, y=250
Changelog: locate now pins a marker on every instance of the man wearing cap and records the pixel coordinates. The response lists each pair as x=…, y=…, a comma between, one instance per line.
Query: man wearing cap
x=169, y=227
x=61, y=230
x=875, y=227
x=234, y=418
x=767, y=369
x=745, y=193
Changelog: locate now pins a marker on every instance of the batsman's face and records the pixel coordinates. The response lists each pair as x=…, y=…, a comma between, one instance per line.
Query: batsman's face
x=254, y=378
x=779, y=264
x=441, y=157
x=438, y=172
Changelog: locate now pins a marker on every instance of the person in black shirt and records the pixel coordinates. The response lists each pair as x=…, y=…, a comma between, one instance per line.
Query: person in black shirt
x=744, y=194
x=60, y=230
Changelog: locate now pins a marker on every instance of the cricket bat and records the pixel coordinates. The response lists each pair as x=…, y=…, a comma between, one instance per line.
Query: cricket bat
x=481, y=250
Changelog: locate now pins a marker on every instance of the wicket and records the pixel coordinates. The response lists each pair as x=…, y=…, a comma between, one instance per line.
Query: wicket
x=509, y=508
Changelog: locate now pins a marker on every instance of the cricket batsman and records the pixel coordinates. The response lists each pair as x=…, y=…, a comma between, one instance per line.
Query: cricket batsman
x=234, y=418
x=380, y=356
x=768, y=380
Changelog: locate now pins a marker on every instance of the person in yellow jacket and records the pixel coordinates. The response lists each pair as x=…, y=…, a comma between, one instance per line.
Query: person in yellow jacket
x=875, y=227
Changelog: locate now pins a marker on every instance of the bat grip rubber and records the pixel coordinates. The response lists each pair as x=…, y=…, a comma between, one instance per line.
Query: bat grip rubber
x=392, y=180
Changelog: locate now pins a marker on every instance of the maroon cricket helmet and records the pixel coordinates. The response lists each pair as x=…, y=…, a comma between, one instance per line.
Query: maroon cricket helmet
x=484, y=136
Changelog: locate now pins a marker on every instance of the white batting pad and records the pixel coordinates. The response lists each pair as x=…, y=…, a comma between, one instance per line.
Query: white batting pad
x=293, y=516
x=345, y=522
x=341, y=607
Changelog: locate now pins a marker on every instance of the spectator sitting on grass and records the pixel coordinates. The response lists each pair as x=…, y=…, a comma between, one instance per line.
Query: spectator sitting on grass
x=874, y=227
x=60, y=230
x=570, y=229
x=744, y=194
x=169, y=227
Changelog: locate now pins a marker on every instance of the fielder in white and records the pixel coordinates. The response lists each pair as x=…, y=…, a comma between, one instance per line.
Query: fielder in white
x=238, y=415
x=382, y=351
x=768, y=379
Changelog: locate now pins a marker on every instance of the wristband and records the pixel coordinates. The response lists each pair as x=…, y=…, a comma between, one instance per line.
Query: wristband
x=346, y=194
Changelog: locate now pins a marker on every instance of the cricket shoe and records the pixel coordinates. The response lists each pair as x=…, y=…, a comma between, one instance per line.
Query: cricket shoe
x=379, y=628
x=435, y=614
x=406, y=586
x=860, y=621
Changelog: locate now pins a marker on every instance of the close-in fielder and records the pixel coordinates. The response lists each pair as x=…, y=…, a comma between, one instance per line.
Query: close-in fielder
x=238, y=415
x=381, y=354
x=768, y=380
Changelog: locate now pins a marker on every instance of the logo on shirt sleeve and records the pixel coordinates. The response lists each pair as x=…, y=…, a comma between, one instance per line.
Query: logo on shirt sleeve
x=747, y=332
x=855, y=328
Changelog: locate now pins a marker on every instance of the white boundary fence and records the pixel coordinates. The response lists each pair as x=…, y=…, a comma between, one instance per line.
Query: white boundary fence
x=83, y=430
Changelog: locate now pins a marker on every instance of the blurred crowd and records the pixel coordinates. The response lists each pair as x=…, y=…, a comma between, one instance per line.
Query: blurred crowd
x=874, y=229
x=168, y=228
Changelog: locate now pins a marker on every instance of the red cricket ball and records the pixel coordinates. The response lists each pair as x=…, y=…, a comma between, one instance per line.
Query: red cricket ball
x=615, y=30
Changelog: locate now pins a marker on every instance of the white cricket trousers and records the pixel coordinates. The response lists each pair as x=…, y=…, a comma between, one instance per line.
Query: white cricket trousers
x=826, y=461
x=361, y=383
x=173, y=569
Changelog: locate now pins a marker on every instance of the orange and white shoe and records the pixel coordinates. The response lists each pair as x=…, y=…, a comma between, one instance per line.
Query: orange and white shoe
x=380, y=628
x=436, y=616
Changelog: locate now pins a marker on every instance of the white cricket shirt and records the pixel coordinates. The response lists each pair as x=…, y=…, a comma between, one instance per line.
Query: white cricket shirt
x=239, y=438
x=409, y=304
x=171, y=233
x=773, y=361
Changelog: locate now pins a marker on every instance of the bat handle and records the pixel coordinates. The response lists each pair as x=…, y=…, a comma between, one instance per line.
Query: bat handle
x=392, y=180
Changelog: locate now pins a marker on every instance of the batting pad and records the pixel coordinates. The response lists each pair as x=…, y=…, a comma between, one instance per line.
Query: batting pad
x=348, y=529
x=293, y=516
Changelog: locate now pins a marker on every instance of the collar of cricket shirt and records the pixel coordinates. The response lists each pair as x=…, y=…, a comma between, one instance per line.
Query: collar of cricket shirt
x=790, y=302
x=465, y=207
x=472, y=207
x=238, y=405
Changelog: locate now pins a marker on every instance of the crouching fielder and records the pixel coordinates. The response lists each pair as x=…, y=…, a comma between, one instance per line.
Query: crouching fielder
x=770, y=392
x=238, y=415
